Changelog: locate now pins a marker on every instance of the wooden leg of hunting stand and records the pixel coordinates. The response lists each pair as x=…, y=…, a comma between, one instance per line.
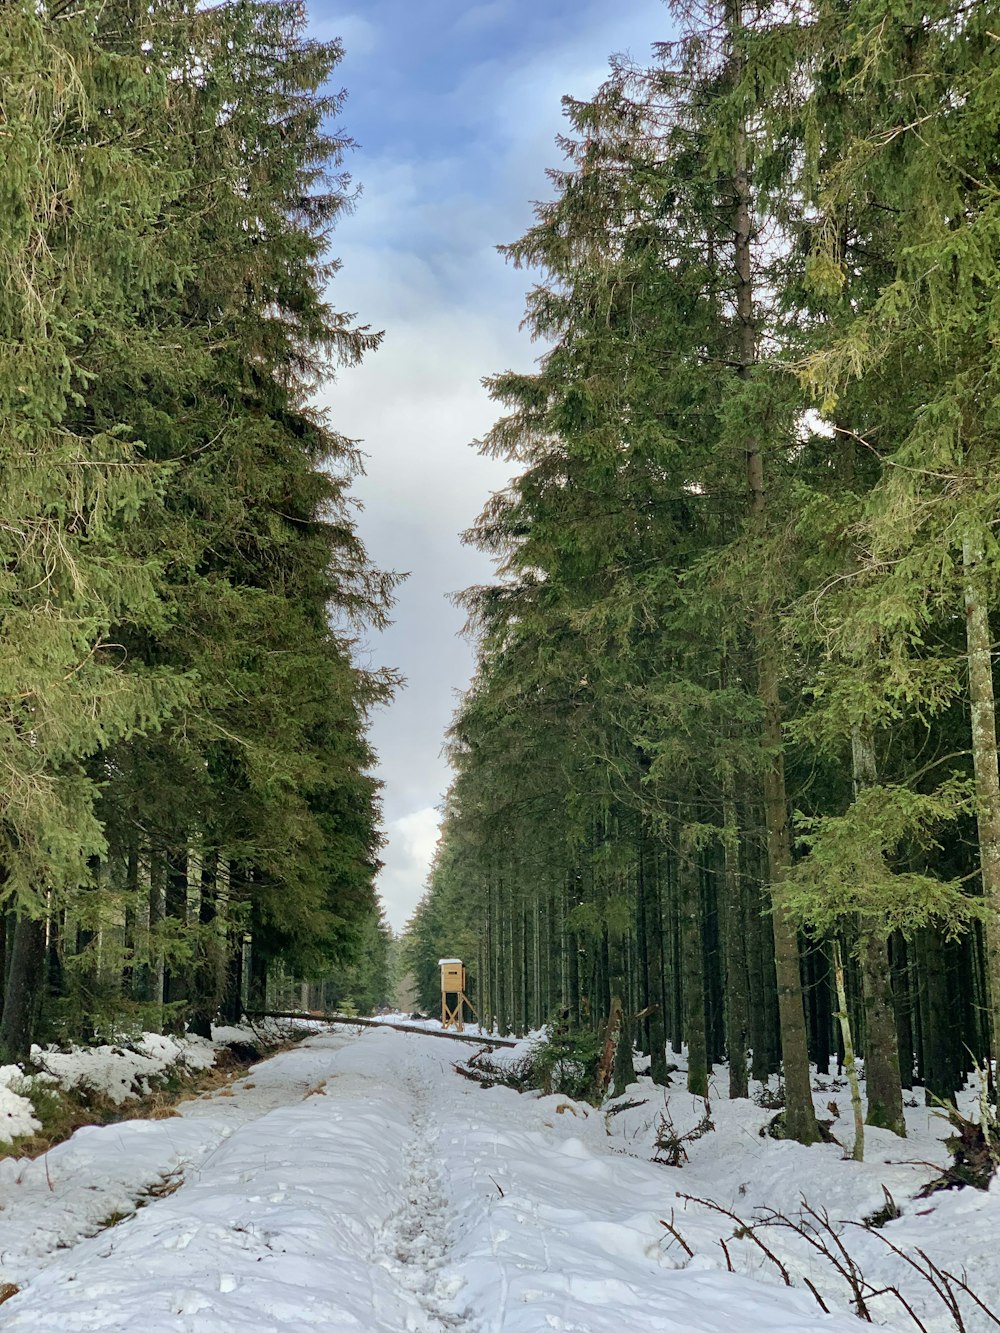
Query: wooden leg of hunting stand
x=451, y=1010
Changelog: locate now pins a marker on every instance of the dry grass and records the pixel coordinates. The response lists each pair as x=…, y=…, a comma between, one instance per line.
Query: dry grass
x=315, y=1089
x=168, y=1183
x=7, y=1290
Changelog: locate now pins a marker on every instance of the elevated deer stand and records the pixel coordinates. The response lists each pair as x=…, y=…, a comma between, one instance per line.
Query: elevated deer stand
x=452, y=993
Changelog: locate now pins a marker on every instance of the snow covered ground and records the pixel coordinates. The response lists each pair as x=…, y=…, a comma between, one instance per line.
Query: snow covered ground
x=357, y=1183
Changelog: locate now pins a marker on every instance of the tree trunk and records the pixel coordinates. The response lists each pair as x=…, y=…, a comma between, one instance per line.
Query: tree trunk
x=850, y=1066
x=232, y=999
x=526, y=969
x=940, y=1082
x=23, y=996
x=488, y=996
x=175, y=987
x=882, y=1081
x=55, y=971
x=129, y=935
x=737, y=984
x=760, y=974
x=800, y=1114
x=624, y=1068
x=676, y=971
x=985, y=769
x=150, y=979
x=903, y=999
x=653, y=924
x=8, y=923
x=206, y=980
x=694, y=969
x=502, y=974
x=821, y=1007
x=883, y=1085
x=257, y=985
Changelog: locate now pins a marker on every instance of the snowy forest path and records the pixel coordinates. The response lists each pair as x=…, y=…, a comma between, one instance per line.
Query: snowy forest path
x=389, y=1196
x=51, y=1203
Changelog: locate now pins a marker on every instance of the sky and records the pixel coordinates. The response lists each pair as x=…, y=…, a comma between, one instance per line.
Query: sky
x=455, y=107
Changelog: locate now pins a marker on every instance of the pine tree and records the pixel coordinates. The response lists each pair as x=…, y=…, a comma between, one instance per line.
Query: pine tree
x=87, y=179
x=209, y=579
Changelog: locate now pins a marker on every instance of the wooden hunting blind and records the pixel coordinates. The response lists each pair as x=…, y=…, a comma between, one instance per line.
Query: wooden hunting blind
x=452, y=992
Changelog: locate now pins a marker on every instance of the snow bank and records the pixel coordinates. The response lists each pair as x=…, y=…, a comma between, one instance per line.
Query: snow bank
x=751, y=1175
x=119, y=1072
x=125, y=1071
x=16, y=1113
x=51, y=1204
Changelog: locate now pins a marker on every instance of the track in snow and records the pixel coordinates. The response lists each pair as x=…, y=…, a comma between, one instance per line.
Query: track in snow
x=417, y=1239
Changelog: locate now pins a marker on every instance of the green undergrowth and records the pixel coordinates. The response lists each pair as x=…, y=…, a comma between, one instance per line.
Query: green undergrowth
x=565, y=1061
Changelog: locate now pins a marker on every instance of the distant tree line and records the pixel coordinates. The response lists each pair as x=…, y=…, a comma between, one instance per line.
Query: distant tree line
x=186, y=795
x=734, y=708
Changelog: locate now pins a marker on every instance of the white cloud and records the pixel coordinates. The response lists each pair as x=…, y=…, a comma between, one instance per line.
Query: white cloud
x=483, y=16
x=359, y=36
x=408, y=855
x=418, y=404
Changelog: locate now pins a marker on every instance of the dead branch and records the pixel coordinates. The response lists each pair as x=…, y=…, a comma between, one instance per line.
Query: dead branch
x=677, y=1235
x=744, y=1231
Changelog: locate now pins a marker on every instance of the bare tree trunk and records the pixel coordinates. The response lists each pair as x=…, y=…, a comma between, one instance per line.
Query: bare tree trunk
x=624, y=1068
x=850, y=1065
x=232, y=998
x=694, y=969
x=800, y=1114
x=175, y=979
x=23, y=993
x=649, y=889
x=207, y=975
x=882, y=1081
x=737, y=984
x=984, y=760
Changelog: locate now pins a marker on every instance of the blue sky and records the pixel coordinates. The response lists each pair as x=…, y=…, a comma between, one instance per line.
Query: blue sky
x=455, y=107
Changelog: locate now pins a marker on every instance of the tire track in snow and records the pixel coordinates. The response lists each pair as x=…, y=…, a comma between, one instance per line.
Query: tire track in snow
x=416, y=1241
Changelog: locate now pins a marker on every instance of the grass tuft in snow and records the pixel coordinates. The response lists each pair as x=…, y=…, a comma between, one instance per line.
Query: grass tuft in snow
x=889, y=1212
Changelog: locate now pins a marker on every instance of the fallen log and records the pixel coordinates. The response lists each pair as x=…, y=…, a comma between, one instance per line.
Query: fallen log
x=394, y=1027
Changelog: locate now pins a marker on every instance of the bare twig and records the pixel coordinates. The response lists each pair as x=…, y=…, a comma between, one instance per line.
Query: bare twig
x=819, y=1299
x=744, y=1231
x=677, y=1235
x=964, y=1286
